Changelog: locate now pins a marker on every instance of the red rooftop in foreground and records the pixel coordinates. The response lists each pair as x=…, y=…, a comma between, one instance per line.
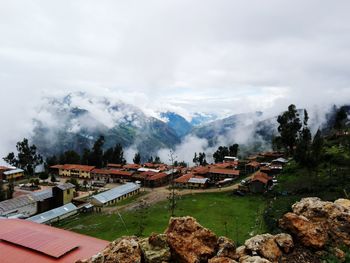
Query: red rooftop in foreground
x=29, y=242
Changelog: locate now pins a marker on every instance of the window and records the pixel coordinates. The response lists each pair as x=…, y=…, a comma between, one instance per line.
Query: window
x=68, y=191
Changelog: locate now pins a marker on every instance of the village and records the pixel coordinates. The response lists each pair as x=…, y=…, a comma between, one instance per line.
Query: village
x=83, y=188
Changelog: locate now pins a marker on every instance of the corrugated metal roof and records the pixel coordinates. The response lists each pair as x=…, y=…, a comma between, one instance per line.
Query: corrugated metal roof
x=42, y=195
x=116, y=192
x=14, y=203
x=11, y=252
x=14, y=171
x=65, y=186
x=54, y=213
x=143, y=169
x=198, y=180
x=49, y=244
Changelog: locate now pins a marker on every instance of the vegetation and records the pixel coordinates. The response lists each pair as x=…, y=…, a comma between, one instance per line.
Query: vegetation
x=27, y=157
x=137, y=158
x=200, y=159
x=223, y=151
x=224, y=214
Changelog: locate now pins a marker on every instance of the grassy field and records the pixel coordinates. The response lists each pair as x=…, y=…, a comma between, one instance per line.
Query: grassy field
x=235, y=217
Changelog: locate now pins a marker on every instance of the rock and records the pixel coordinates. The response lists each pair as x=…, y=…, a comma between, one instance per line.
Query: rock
x=265, y=246
x=254, y=259
x=340, y=254
x=334, y=217
x=122, y=250
x=310, y=234
x=285, y=242
x=189, y=241
x=226, y=248
x=240, y=252
x=221, y=260
x=155, y=249
x=345, y=203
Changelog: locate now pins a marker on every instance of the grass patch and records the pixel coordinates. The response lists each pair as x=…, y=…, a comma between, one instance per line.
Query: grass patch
x=235, y=217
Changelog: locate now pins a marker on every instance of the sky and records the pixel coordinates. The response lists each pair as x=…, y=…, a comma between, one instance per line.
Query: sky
x=222, y=56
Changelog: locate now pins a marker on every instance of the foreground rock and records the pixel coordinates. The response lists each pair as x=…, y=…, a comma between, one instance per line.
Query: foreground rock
x=189, y=241
x=265, y=246
x=308, y=233
x=155, y=249
x=123, y=250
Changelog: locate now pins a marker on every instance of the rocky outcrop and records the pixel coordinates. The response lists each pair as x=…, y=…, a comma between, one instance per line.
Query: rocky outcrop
x=123, y=250
x=313, y=225
x=189, y=241
x=155, y=249
x=315, y=222
x=308, y=233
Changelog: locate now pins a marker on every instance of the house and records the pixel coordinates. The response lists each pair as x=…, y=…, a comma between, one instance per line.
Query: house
x=26, y=241
x=13, y=174
x=157, y=179
x=131, y=167
x=260, y=183
x=63, y=194
x=191, y=180
x=217, y=174
x=252, y=166
x=201, y=170
x=73, y=170
x=38, y=202
x=114, y=195
x=111, y=175
x=55, y=214
x=230, y=159
x=279, y=161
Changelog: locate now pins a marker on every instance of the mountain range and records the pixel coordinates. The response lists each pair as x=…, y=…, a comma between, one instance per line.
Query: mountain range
x=75, y=121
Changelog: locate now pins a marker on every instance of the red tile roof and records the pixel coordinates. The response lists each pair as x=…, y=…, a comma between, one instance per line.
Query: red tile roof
x=115, y=165
x=184, y=178
x=157, y=176
x=261, y=177
x=254, y=164
x=111, y=172
x=214, y=170
x=29, y=242
x=201, y=170
x=132, y=166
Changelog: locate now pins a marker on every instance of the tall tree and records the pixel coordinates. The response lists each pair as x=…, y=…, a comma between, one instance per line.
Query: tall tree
x=137, y=158
x=233, y=150
x=195, y=159
x=27, y=157
x=85, y=156
x=96, y=156
x=157, y=160
x=289, y=126
x=220, y=154
x=201, y=159
x=118, y=154
x=340, y=118
x=70, y=156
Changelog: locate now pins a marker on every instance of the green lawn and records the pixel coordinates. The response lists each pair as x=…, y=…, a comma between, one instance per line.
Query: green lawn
x=235, y=217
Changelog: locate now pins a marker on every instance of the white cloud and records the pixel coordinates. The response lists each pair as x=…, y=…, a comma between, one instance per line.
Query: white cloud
x=218, y=57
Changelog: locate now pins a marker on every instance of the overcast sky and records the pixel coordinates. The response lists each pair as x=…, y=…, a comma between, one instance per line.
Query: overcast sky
x=212, y=56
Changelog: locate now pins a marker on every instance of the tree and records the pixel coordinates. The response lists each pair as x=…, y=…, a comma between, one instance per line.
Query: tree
x=157, y=160
x=118, y=154
x=137, y=158
x=43, y=176
x=289, y=126
x=96, y=156
x=195, y=159
x=53, y=178
x=27, y=157
x=340, y=118
x=85, y=156
x=233, y=150
x=201, y=159
x=220, y=154
x=70, y=156
x=316, y=147
x=150, y=159
x=141, y=215
x=172, y=197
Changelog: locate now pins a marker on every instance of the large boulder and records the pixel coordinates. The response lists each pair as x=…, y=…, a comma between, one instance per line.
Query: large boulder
x=122, y=250
x=155, y=249
x=310, y=234
x=265, y=246
x=226, y=248
x=189, y=241
x=334, y=217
